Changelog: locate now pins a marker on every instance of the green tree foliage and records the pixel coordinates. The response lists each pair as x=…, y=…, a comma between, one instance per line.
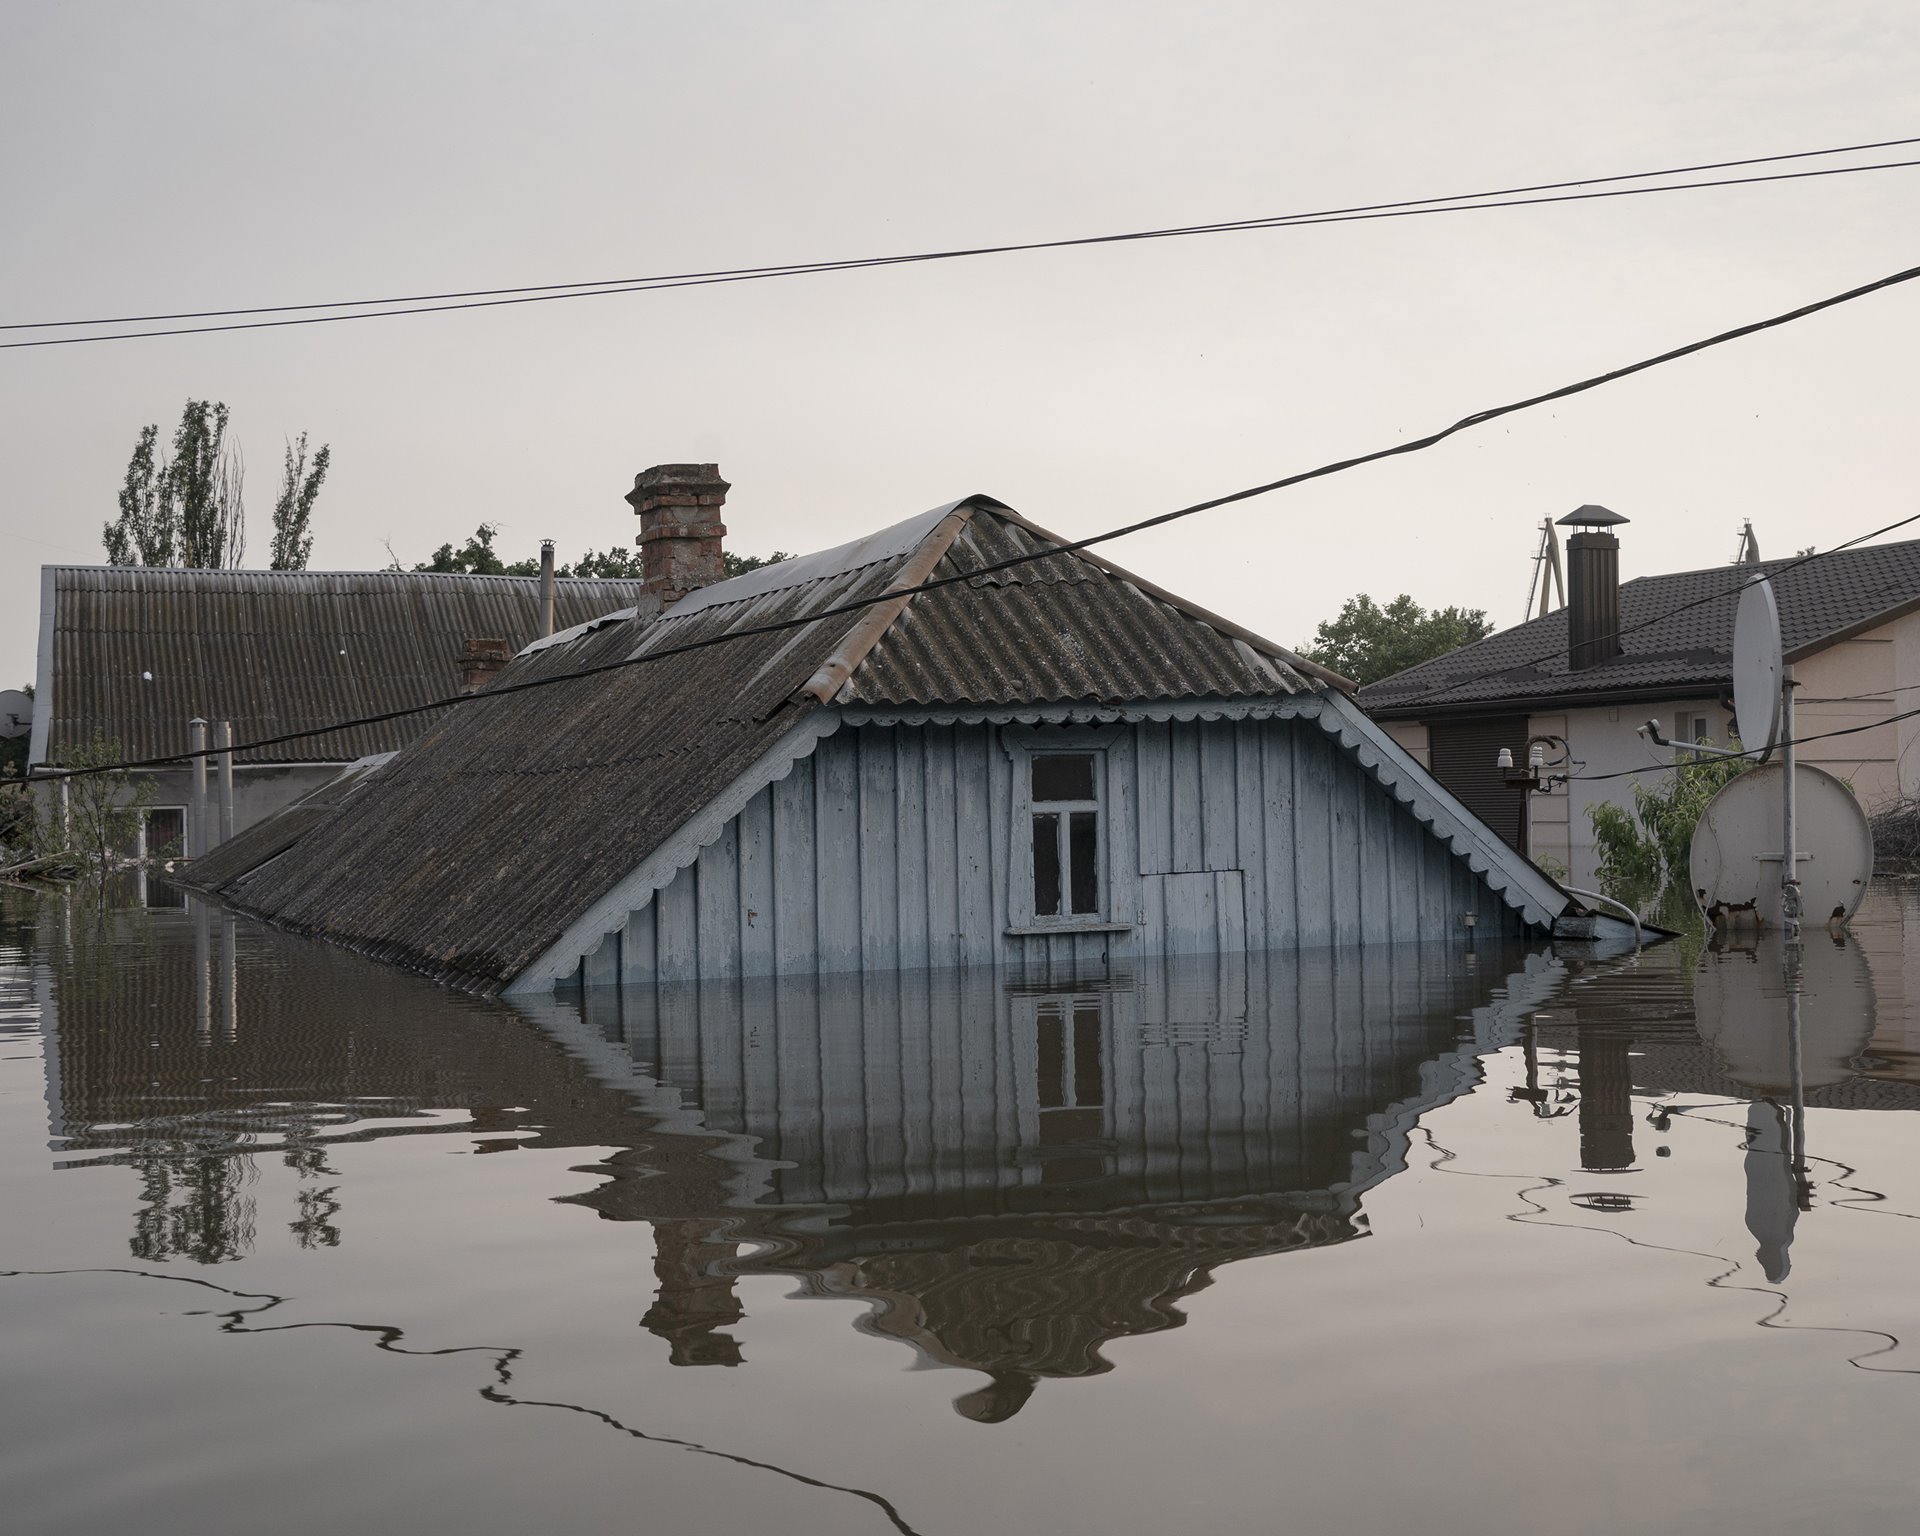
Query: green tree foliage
x=1367, y=642
x=477, y=557
x=188, y=508
x=1644, y=852
x=207, y=479
x=300, y=483
x=145, y=532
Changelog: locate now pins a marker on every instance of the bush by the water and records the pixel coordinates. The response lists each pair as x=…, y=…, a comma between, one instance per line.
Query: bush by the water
x=1896, y=835
x=1644, y=852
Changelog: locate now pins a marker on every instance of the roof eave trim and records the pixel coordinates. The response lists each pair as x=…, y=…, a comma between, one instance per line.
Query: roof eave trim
x=1275, y=707
x=1550, y=703
x=586, y=932
x=1513, y=877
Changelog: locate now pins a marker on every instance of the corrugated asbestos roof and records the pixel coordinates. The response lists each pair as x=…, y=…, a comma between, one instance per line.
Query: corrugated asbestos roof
x=475, y=848
x=1691, y=651
x=276, y=651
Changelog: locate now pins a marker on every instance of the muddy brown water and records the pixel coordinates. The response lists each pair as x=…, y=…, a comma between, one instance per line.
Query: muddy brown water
x=1503, y=1242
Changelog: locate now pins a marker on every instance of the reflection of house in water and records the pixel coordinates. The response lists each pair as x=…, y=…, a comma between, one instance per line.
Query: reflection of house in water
x=1012, y=1174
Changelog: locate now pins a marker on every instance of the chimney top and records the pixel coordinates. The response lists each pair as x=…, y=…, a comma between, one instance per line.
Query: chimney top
x=681, y=535
x=1591, y=516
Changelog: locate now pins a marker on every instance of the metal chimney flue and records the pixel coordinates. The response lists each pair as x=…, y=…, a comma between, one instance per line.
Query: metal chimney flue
x=546, y=588
x=1593, y=587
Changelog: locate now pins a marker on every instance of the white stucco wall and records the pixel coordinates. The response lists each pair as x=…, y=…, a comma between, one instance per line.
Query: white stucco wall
x=1857, y=683
x=1602, y=740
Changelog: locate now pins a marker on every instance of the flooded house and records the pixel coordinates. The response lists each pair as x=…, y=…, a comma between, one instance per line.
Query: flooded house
x=951, y=742
x=135, y=654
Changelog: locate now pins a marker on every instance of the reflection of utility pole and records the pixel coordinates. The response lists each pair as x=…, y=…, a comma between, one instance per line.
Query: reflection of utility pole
x=202, y=980
x=1797, y=1078
x=229, y=985
x=1773, y=1188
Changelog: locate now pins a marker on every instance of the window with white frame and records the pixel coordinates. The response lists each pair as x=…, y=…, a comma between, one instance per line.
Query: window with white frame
x=1066, y=840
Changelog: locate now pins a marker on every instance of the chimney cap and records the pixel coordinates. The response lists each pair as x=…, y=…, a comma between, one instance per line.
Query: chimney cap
x=1592, y=516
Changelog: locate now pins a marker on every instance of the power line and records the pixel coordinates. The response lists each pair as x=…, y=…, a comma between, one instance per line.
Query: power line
x=755, y=274
x=1338, y=466
x=792, y=268
x=1753, y=752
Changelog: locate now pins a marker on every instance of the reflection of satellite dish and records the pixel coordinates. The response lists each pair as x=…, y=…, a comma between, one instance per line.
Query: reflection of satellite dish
x=1735, y=863
x=1756, y=669
x=16, y=714
x=1740, y=1009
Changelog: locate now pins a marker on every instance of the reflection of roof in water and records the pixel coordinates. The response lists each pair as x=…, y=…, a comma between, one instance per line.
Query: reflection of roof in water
x=1014, y=1174
x=1009, y=1175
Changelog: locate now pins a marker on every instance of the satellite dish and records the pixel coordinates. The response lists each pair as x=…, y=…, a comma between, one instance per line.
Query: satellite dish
x=1735, y=863
x=1740, y=1009
x=1756, y=669
x=16, y=714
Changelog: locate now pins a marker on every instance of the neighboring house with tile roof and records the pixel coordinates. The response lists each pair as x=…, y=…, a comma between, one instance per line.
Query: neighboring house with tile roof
x=136, y=652
x=1038, y=763
x=1850, y=624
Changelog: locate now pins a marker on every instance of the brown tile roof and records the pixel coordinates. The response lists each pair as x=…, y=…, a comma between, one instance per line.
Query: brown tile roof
x=1689, y=652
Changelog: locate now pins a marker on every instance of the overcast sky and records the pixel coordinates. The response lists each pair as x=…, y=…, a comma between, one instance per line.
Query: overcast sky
x=180, y=156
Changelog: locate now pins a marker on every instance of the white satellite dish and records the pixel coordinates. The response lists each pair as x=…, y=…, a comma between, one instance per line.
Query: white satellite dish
x=1756, y=669
x=1740, y=1009
x=16, y=714
x=1734, y=868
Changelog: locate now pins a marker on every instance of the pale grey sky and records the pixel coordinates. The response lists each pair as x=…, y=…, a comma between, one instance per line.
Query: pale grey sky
x=161, y=156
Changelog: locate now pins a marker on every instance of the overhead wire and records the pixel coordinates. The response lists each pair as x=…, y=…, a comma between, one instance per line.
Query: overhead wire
x=784, y=268
x=542, y=295
x=1338, y=466
x=1702, y=760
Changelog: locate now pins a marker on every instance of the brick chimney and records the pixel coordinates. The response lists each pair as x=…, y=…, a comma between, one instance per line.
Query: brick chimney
x=480, y=662
x=1593, y=587
x=680, y=528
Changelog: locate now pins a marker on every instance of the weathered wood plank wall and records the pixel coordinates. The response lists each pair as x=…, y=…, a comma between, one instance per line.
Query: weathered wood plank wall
x=1186, y=1079
x=892, y=847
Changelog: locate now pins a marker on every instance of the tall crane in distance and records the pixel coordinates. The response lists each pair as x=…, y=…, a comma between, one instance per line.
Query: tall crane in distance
x=1547, y=580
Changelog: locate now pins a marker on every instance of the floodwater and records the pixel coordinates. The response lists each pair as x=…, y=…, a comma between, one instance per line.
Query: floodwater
x=1502, y=1242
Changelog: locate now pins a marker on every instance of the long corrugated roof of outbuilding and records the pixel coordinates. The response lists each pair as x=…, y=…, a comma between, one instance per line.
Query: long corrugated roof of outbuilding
x=273, y=651
x=475, y=848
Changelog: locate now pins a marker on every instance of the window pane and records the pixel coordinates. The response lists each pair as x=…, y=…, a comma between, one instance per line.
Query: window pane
x=1046, y=865
x=1089, y=1086
x=1052, y=1063
x=1083, y=848
x=166, y=830
x=1063, y=776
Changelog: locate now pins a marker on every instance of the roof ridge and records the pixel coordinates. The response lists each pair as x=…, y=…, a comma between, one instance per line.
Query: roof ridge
x=869, y=627
x=1186, y=606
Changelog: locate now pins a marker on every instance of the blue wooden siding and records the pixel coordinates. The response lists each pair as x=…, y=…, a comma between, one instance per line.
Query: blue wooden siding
x=1203, y=1080
x=893, y=847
